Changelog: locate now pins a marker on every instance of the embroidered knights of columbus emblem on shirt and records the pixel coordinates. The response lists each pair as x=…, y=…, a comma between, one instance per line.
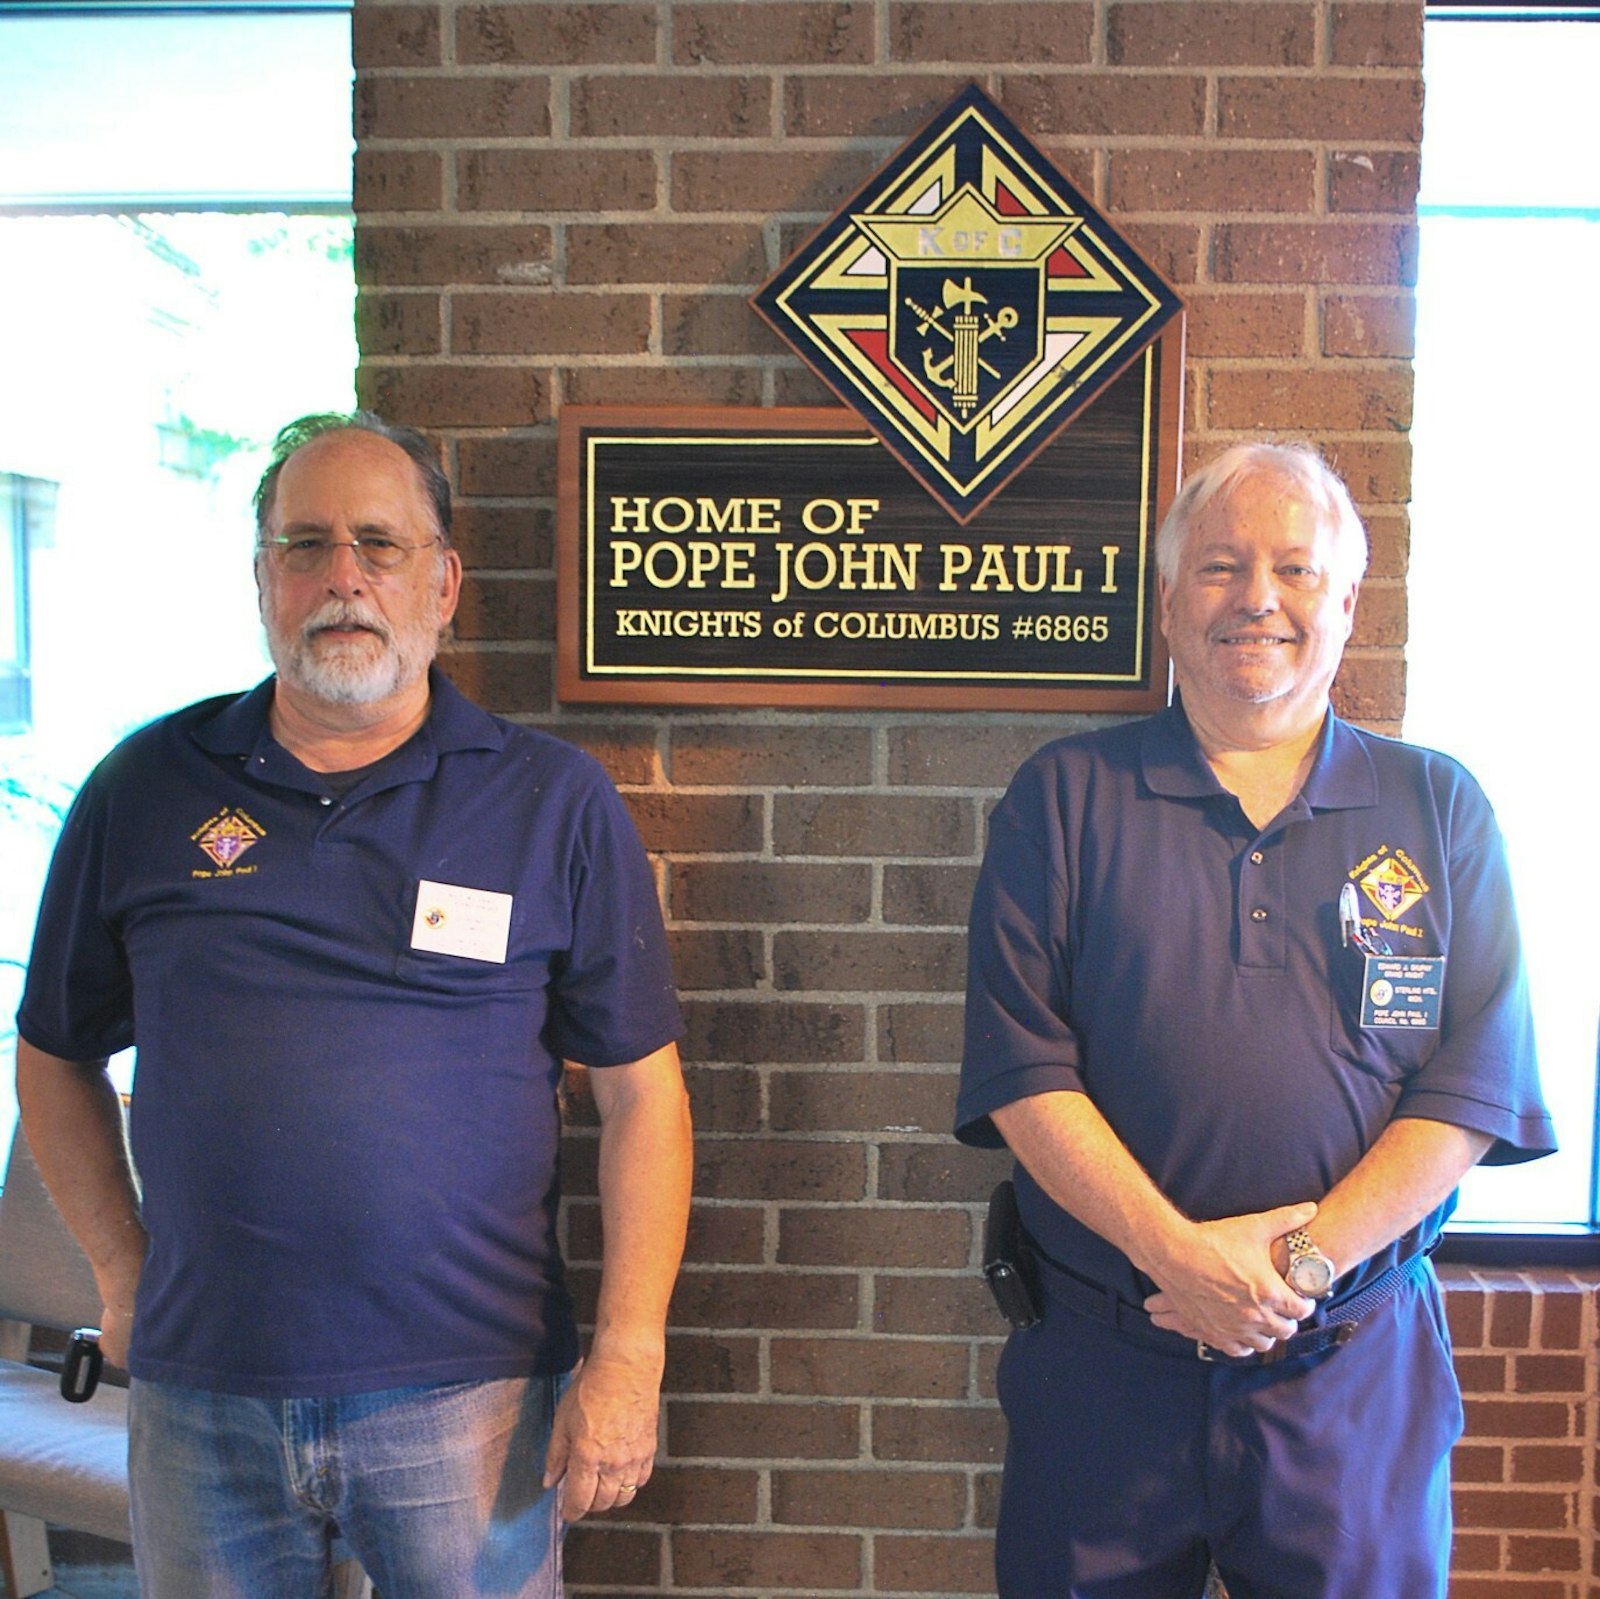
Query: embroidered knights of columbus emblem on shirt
x=968, y=303
x=1394, y=885
x=227, y=836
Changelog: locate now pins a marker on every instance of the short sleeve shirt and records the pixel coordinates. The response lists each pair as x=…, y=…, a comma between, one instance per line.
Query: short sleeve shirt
x=345, y=1115
x=1136, y=937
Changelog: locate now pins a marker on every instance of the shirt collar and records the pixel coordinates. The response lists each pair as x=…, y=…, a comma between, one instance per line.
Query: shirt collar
x=1341, y=777
x=242, y=728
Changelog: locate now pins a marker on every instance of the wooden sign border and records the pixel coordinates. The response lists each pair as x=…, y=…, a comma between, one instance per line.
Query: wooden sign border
x=659, y=687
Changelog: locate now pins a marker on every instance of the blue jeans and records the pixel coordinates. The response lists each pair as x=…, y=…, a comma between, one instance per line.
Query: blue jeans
x=437, y=1490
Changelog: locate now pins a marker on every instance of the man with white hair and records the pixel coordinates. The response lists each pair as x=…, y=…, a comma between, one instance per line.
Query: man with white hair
x=1246, y=1001
x=358, y=930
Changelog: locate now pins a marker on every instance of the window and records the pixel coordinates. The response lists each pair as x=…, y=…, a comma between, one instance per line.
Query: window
x=175, y=217
x=1505, y=553
x=25, y=506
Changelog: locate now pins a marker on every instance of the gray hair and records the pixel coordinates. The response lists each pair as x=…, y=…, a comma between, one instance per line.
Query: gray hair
x=1317, y=484
x=306, y=428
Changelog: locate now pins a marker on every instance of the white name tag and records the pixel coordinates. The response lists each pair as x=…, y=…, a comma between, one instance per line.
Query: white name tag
x=450, y=920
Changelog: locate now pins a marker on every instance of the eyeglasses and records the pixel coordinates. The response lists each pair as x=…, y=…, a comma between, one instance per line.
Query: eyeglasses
x=308, y=553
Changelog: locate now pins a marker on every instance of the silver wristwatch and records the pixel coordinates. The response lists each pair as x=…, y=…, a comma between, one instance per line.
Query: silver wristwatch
x=1310, y=1271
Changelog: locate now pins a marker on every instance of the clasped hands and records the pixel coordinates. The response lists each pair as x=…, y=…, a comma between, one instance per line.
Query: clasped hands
x=1223, y=1284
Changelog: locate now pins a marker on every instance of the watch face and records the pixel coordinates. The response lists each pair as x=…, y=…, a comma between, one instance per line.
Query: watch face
x=1311, y=1275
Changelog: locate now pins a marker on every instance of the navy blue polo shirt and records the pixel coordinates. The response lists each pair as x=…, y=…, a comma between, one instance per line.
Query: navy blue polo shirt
x=1135, y=937
x=348, y=1135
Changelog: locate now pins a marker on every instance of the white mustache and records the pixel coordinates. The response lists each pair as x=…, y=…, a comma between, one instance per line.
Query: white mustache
x=342, y=614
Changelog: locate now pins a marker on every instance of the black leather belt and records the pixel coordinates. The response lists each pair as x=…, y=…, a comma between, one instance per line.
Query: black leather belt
x=1337, y=1325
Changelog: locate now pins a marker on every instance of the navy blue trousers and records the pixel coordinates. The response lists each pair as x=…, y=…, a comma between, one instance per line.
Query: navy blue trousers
x=1129, y=1469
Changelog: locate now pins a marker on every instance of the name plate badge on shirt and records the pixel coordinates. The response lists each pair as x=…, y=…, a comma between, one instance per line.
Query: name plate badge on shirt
x=1401, y=992
x=473, y=922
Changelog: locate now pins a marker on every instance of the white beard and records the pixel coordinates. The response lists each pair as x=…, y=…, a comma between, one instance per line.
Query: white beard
x=356, y=671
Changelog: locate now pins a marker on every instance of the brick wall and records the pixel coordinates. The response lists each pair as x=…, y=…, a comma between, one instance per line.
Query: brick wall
x=570, y=203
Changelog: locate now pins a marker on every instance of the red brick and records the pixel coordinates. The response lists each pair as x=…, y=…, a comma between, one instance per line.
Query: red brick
x=753, y=1430
x=1246, y=323
x=916, y=1033
x=452, y=108
x=507, y=682
x=909, y=962
x=614, y=1555
x=556, y=35
x=1483, y=1507
x=1369, y=325
x=1511, y=1319
x=1200, y=33
x=1373, y=180
x=927, y=896
x=838, y=106
x=761, y=181
x=698, y=822
x=491, y=253
x=725, y=1099
x=398, y=180
x=514, y=463
x=869, y=1368
x=1547, y=1374
x=504, y=536
x=1360, y=106
x=1371, y=689
x=849, y=824
x=665, y=253
x=880, y=1236
x=400, y=324
x=1376, y=35
x=1083, y=105
x=673, y=106
x=1350, y=253
x=1517, y=1418
x=714, y=324
x=720, y=755
x=757, y=1031
x=537, y=322
x=752, y=1299
x=939, y=1174
x=1059, y=34
x=931, y=1304
x=725, y=1364
x=1289, y=399
x=512, y=608
x=973, y=1434
x=1212, y=180
x=773, y=32
x=865, y=1101
x=820, y=1498
x=923, y=1565
x=776, y=1169
x=395, y=36
x=554, y=179
x=1548, y=1463
x=681, y=384
x=444, y=394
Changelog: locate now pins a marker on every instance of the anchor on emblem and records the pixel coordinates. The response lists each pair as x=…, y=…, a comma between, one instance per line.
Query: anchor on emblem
x=958, y=370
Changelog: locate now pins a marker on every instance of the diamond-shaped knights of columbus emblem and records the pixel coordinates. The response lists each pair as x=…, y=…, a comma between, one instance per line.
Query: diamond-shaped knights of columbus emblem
x=967, y=303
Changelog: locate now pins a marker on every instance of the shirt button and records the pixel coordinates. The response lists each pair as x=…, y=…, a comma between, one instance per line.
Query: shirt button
x=1258, y=914
x=327, y=800
x=1256, y=857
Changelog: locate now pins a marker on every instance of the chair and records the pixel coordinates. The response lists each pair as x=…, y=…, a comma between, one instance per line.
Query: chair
x=60, y=1463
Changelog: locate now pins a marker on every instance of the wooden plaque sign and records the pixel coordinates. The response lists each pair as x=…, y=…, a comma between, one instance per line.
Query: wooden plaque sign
x=786, y=558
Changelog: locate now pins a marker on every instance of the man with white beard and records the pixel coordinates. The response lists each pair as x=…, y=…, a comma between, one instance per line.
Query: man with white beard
x=358, y=930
